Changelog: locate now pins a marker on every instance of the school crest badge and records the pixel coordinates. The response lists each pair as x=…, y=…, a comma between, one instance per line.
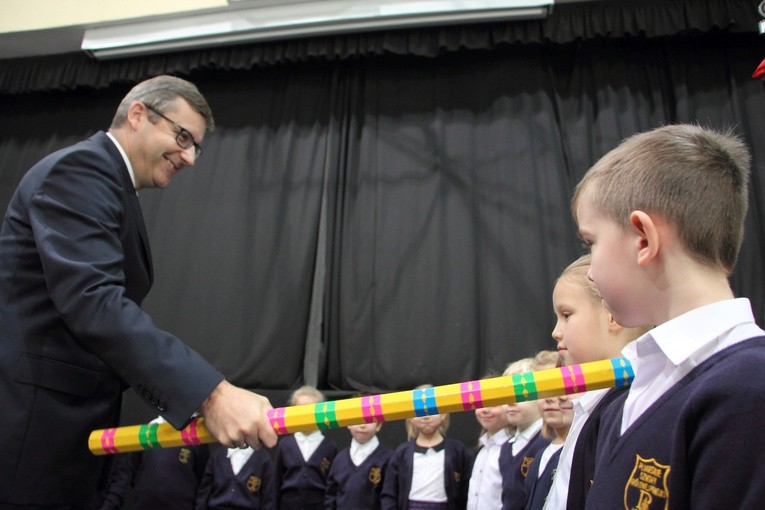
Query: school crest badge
x=184, y=456
x=375, y=475
x=253, y=484
x=325, y=465
x=647, y=487
x=525, y=466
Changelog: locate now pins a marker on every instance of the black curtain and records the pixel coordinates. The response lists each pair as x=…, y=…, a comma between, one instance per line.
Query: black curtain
x=378, y=211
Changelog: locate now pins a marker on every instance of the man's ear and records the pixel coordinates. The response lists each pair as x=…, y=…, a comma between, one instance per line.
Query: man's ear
x=134, y=113
x=648, y=238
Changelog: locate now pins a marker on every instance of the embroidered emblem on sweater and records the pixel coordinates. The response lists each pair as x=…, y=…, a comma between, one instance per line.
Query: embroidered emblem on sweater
x=375, y=475
x=526, y=465
x=253, y=484
x=324, y=465
x=647, y=487
x=184, y=456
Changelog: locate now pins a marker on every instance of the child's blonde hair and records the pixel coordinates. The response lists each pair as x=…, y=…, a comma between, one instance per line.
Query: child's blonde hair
x=520, y=366
x=411, y=430
x=306, y=391
x=540, y=361
x=577, y=271
x=546, y=359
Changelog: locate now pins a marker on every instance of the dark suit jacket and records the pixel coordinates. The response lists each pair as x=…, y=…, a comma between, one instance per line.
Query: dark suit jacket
x=74, y=267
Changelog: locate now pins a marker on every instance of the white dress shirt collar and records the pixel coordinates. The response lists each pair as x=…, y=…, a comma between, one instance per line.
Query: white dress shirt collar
x=359, y=452
x=308, y=443
x=238, y=457
x=522, y=437
x=667, y=353
x=497, y=439
x=682, y=336
x=124, y=157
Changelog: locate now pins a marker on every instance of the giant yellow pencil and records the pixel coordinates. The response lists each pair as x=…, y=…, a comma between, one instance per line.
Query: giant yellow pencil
x=450, y=398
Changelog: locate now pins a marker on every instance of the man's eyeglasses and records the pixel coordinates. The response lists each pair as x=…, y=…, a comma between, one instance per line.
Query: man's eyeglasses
x=182, y=137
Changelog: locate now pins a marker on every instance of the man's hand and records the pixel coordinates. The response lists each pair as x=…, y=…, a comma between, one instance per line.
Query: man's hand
x=238, y=417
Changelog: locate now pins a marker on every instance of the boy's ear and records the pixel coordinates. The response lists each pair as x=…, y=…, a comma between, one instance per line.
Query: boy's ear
x=646, y=229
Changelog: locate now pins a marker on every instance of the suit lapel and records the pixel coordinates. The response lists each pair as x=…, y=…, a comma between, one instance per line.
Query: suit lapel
x=134, y=206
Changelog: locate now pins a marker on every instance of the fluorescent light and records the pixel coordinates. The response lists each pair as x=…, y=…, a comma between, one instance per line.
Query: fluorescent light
x=284, y=21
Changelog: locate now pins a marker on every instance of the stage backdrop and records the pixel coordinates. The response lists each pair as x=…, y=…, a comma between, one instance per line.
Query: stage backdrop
x=379, y=211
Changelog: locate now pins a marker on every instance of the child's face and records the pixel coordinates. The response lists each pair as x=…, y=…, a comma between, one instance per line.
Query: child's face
x=427, y=425
x=364, y=432
x=522, y=414
x=492, y=419
x=612, y=268
x=582, y=327
x=557, y=412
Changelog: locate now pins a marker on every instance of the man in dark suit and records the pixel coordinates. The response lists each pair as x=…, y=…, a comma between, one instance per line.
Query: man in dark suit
x=74, y=268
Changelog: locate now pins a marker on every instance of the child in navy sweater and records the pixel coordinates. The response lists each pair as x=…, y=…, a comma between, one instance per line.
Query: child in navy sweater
x=303, y=461
x=429, y=471
x=557, y=413
x=160, y=478
x=663, y=214
x=237, y=478
x=356, y=476
x=485, y=485
x=517, y=454
x=585, y=331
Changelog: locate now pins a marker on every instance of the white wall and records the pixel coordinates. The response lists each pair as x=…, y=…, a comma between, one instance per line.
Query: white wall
x=23, y=15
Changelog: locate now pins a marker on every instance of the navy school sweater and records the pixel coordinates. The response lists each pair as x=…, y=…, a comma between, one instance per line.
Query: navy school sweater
x=700, y=446
x=515, y=469
x=350, y=486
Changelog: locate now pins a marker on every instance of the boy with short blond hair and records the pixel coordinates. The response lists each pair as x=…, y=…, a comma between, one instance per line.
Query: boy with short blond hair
x=303, y=460
x=663, y=214
x=356, y=477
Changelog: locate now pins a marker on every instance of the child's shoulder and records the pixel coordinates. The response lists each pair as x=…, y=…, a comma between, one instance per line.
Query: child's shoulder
x=404, y=447
x=455, y=444
x=286, y=441
x=328, y=441
x=729, y=367
x=723, y=386
x=384, y=449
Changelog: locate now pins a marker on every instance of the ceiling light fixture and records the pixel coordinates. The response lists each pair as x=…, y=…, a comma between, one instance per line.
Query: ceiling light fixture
x=296, y=19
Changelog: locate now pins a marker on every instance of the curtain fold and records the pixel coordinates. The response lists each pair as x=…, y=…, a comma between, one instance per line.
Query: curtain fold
x=568, y=22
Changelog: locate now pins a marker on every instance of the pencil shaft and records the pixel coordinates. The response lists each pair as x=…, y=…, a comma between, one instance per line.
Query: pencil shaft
x=450, y=398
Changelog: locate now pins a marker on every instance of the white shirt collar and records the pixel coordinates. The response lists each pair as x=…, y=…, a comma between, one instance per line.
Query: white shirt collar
x=684, y=335
x=497, y=439
x=360, y=452
x=314, y=437
x=586, y=403
x=124, y=157
x=530, y=431
x=239, y=452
